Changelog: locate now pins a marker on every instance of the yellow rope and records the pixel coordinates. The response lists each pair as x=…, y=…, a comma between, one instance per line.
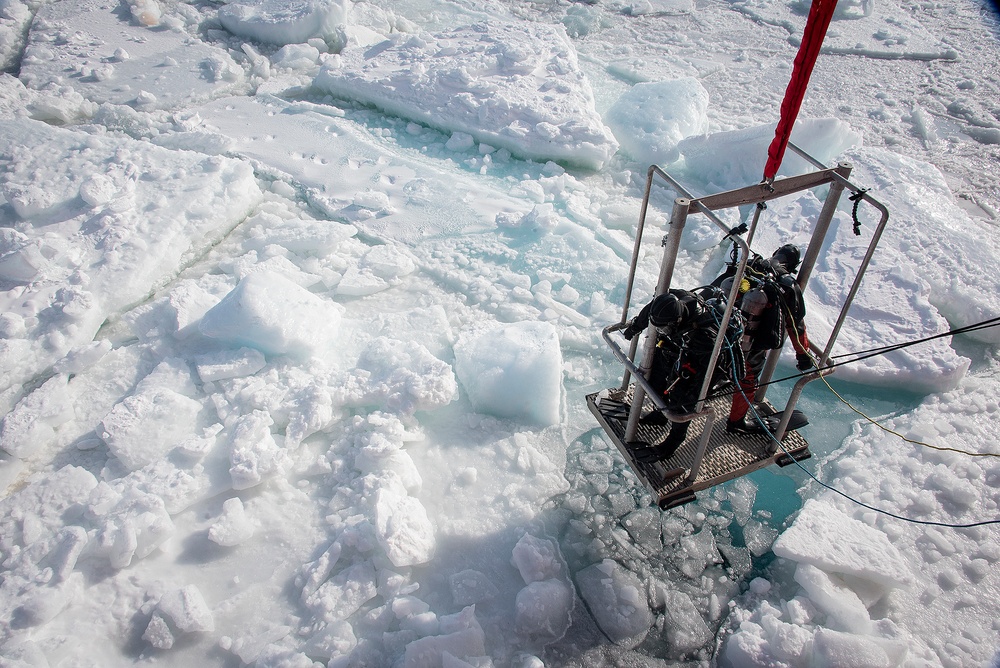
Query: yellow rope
x=896, y=433
x=875, y=422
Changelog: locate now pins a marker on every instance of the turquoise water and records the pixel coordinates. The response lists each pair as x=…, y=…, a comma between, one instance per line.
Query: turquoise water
x=781, y=491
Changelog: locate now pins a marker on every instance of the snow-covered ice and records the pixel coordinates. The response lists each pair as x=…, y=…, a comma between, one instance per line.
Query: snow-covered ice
x=83, y=46
x=300, y=301
x=852, y=567
x=270, y=313
x=284, y=23
x=512, y=86
x=95, y=224
x=389, y=195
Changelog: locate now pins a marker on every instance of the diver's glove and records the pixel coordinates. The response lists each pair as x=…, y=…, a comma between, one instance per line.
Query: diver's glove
x=804, y=362
x=630, y=330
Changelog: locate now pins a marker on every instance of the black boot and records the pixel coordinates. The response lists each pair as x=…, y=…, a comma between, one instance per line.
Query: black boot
x=657, y=454
x=654, y=418
x=666, y=449
x=744, y=426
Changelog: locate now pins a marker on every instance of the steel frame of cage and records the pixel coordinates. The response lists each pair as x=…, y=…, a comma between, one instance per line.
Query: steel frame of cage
x=686, y=204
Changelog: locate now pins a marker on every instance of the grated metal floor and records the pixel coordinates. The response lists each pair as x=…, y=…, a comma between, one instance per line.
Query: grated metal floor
x=727, y=456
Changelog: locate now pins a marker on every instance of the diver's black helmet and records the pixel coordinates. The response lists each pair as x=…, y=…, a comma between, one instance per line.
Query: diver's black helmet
x=666, y=311
x=787, y=256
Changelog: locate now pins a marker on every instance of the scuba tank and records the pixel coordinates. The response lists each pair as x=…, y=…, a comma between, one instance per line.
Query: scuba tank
x=753, y=304
x=759, y=300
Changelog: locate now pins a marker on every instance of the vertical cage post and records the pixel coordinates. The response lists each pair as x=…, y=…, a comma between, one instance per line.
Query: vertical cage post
x=820, y=231
x=632, y=267
x=672, y=243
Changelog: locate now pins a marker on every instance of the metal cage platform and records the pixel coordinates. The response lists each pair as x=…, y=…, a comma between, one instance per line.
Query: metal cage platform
x=727, y=456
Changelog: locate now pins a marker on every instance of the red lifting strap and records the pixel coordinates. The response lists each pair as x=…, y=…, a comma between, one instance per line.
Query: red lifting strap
x=812, y=39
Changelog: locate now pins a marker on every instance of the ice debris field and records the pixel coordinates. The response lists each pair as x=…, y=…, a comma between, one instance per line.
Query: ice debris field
x=299, y=302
